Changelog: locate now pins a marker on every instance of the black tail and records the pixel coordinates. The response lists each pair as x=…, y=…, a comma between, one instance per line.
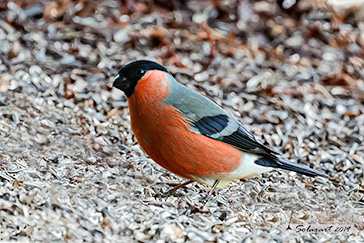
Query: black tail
x=286, y=165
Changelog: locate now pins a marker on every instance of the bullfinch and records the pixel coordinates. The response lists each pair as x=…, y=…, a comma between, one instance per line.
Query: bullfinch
x=190, y=135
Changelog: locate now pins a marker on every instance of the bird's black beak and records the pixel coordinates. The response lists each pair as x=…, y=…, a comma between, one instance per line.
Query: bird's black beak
x=121, y=82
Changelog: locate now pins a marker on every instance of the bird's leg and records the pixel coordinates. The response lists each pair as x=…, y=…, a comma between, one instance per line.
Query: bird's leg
x=206, y=199
x=171, y=191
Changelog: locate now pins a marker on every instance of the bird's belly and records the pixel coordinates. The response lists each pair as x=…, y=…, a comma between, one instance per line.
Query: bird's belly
x=166, y=138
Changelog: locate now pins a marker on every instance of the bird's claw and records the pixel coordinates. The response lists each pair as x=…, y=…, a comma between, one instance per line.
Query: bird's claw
x=203, y=200
x=174, y=189
x=167, y=193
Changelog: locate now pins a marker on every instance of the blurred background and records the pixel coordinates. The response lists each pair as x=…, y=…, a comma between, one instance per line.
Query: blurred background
x=71, y=169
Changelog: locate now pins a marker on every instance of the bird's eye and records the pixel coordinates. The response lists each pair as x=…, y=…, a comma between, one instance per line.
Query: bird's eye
x=140, y=72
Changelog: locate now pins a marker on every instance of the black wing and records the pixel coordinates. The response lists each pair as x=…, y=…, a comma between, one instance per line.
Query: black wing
x=240, y=137
x=217, y=127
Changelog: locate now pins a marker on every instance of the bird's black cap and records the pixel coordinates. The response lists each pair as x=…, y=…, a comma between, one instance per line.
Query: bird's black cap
x=129, y=75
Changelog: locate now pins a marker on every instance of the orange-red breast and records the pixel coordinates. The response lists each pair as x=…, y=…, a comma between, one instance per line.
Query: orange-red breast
x=190, y=135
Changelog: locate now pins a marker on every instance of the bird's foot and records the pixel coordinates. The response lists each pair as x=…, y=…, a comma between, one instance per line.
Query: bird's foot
x=168, y=193
x=206, y=199
x=174, y=189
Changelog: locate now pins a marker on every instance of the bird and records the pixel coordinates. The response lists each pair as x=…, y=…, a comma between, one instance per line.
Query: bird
x=190, y=135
